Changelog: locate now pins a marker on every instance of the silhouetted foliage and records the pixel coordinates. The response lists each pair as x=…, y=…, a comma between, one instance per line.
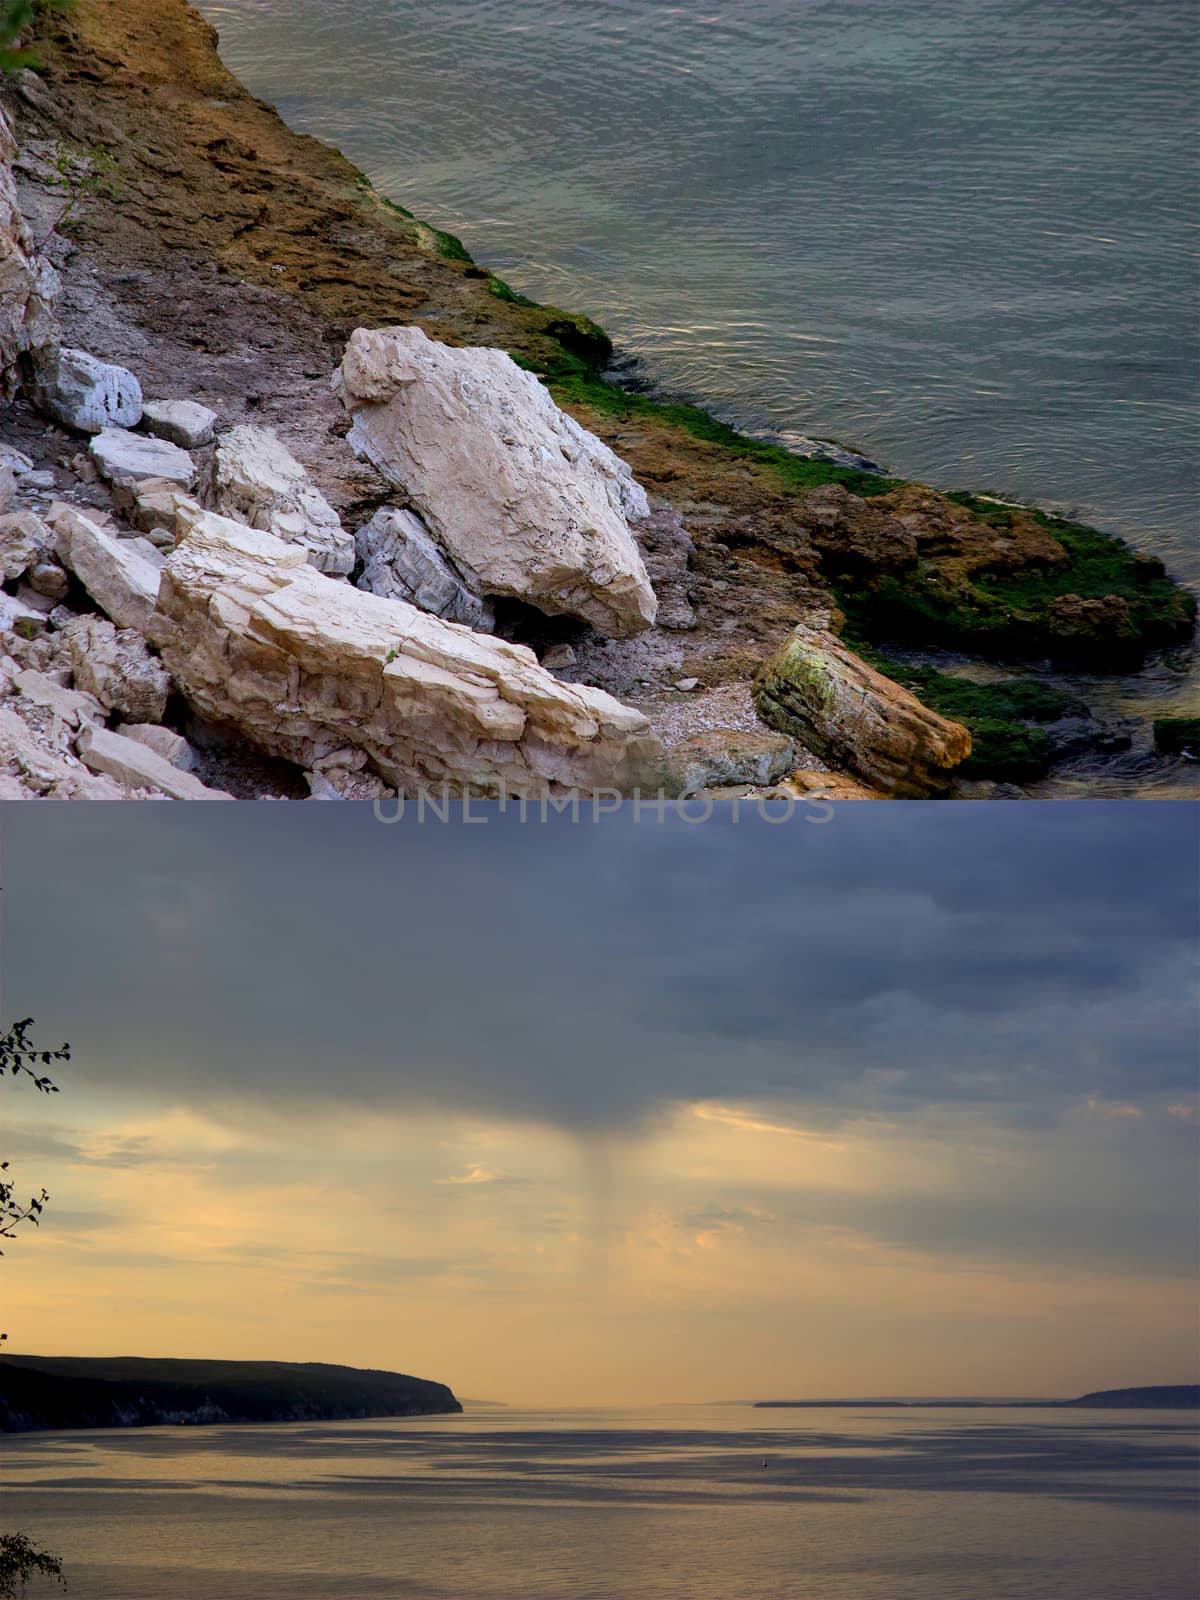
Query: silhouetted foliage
x=20, y=1558
x=20, y=1056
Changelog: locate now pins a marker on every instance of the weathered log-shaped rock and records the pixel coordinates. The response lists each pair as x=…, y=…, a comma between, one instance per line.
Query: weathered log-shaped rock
x=523, y=500
x=844, y=711
x=255, y=479
x=401, y=562
x=28, y=283
x=302, y=666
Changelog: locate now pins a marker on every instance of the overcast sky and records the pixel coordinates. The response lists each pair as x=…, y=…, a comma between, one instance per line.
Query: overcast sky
x=598, y=1111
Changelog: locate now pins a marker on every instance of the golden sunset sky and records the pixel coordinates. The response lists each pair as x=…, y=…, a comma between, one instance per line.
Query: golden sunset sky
x=567, y=1115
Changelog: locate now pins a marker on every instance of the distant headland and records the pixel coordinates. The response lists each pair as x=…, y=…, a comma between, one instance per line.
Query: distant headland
x=40, y=1392
x=1156, y=1397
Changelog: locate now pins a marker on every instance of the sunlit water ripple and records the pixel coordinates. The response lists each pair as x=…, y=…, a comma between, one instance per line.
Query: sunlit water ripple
x=699, y=1503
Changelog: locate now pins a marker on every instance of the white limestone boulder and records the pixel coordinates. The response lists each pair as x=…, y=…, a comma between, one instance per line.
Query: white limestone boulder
x=522, y=499
x=171, y=746
x=304, y=666
x=19, y=617
x=401, y=562
x=24, y=540
x=255, y=479
x=184, y=422
x=84, y=393
x=74, y=706
x=122, y=456
x=121, y=575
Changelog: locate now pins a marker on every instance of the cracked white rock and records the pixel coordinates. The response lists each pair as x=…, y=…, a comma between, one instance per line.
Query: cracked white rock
x=115, y=666
x=84, y=393
x=75, y=706
x=122, y=455
x=171, y=746
x=17, y=617
x=304, y=666
x=401, y=562
x=523, y=500
x=121, y=575
x=255, y=479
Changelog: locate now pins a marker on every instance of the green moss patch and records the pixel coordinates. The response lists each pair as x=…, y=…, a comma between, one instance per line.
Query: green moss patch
x=1006, y=743
x=505, y=291
x=577, y=384
x=450, y=247
x=1015, y=613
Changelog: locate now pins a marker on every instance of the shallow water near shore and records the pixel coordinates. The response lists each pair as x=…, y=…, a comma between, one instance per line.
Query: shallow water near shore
x=961, y=239
x=706, y=1502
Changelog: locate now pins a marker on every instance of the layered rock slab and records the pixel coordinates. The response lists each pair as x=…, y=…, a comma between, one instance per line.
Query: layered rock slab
x=401, y=562
x=304, y=666
x=847, y=713
x=523, y=500
x=121, y=575
x=254, y=478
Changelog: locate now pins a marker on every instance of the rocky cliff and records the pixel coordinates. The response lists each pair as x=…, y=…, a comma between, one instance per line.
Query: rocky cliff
x=38, y=1392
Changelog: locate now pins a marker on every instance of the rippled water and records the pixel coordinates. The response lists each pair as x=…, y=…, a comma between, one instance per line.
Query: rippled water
x=957, y=233
x=703, y=1503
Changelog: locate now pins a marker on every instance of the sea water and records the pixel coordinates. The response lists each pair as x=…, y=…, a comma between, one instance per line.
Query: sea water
x=666, y=1503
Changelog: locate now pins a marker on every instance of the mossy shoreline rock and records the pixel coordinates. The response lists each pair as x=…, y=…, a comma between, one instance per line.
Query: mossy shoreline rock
x=843, y=710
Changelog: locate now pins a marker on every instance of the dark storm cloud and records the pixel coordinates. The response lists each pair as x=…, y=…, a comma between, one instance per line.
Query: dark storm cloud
x=899, y=956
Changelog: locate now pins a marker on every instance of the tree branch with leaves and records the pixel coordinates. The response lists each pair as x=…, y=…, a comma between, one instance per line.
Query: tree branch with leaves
x=20, y=1558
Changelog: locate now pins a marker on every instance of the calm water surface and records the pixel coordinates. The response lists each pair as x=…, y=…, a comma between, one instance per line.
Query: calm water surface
x=960, y=234
x=667, y=1504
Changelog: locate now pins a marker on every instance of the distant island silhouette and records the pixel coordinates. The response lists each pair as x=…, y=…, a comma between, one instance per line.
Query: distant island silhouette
x=1156, y=1397
x=40, y=1392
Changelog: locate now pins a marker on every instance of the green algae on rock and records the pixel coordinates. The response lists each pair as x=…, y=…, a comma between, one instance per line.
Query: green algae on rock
x=839, y=707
